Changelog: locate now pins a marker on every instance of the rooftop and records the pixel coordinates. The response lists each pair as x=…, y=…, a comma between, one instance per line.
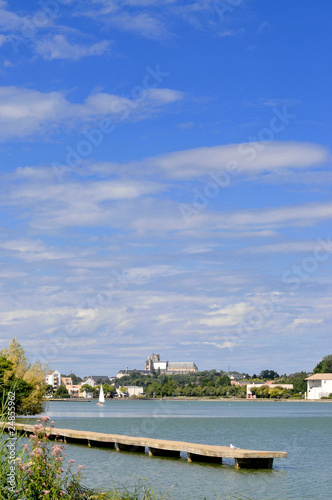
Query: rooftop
x=183, y=364
x=320, y=376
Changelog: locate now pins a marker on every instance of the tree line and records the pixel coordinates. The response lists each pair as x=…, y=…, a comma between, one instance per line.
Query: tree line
x=28, y=381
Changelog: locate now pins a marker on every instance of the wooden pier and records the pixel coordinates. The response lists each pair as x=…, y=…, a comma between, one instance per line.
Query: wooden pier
x=248, y=459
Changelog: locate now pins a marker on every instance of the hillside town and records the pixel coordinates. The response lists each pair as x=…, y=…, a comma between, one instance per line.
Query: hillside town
x=182, y=379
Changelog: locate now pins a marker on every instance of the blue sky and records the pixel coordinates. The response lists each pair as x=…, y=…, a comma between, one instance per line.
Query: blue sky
x=166, y=182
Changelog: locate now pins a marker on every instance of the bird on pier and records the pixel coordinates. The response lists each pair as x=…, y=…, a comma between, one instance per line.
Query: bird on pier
x=233, y=447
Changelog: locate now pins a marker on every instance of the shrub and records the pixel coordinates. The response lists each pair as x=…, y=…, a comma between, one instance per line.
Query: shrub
x=41, y=472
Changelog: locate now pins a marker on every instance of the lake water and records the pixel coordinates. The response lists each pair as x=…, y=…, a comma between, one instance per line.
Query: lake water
x=303, y=429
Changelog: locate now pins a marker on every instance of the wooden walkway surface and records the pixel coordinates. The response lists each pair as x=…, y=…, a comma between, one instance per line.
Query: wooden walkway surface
x=252, y=459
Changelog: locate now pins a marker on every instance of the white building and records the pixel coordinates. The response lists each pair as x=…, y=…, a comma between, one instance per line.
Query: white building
x=319, y=385
x=153, y=363
x=160, y=365
x=130, y=391
x=53, y=378
x=269, y=384
x=135, y=390
x=89, y=381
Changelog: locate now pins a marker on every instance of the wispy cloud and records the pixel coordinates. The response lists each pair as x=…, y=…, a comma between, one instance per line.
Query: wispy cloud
x=248, y=158
x=24, y=112
x=306, y=322
x=58, y=47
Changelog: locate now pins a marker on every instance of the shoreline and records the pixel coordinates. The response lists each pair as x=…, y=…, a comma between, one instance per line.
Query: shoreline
x=288, y=400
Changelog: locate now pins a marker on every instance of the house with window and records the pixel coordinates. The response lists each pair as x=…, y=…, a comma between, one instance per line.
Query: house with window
x=96, y=380
x=66, y=381
x=53, y=378
x=319, y=386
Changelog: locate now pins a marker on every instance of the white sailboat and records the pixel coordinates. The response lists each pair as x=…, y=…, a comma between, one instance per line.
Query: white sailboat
x=101, y=396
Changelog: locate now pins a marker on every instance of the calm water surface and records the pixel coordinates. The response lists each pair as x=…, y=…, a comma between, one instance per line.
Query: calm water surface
x=304, y=430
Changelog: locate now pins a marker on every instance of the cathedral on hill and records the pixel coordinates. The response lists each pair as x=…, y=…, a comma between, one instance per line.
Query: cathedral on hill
x=153, y=363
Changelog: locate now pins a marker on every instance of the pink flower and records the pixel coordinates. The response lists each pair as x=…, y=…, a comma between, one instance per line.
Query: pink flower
x=56, y=449
x=71, y=461
x=37, y=452
x=45, y=419
x=81, y=466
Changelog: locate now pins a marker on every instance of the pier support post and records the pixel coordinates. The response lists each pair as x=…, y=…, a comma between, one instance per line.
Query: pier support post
x=100, y=444
x=194, y=457
x=254, y=463
x=157, y=452
x=129, y=447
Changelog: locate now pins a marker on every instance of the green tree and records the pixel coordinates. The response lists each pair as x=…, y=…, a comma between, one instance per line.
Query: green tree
x=223, y=380
x=75, y=378
x=324, y=366
x=276, y=392
x=261, y=392
x=268, y=374
x=49, y=390
x=21, y=388
x=62, y=392
x=299, y=382
x=153, y=389
x=109, y=389
x=33, y=374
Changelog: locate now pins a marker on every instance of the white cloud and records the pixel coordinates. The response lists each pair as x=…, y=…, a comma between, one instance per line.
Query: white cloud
x=241, y=158
x=25, y=111
x=3, y=39
x=306, y=321
x=9, y=21
x=58, y=47
x=227, y=316
x=286, y=247
x=306, y=214
x=142, y=24
x=31, y=250
x=224, y=345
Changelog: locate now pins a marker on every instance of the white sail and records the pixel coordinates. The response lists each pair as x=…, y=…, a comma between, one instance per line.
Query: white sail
x=101, y=395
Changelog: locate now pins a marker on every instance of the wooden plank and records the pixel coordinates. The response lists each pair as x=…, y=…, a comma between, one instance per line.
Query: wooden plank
x=157, y=446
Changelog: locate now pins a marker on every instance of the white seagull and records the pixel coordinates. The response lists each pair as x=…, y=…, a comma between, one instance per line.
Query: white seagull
x=233, y=447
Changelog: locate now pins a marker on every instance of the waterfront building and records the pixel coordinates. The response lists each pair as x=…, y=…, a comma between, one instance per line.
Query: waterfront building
x=53, y=378
x=131, y=390
x=96, y=380
x=66, y=381
x=269, y=383
x=319, y=386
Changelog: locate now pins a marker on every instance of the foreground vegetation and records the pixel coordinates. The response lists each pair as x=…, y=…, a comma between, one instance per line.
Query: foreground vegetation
x=38, y=469
x=28, y=379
